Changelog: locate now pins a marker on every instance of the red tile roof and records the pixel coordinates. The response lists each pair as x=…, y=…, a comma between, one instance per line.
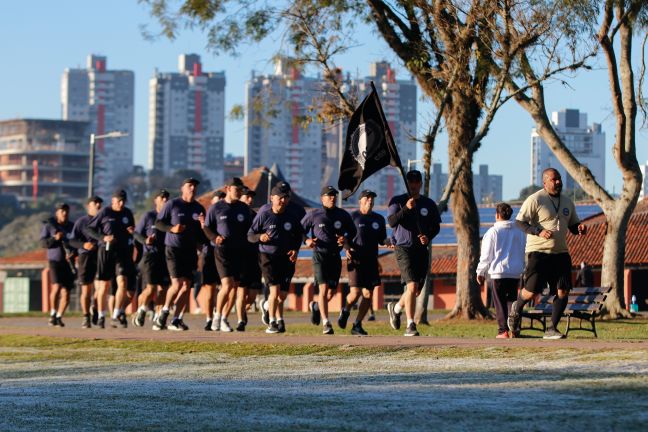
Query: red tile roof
x=38, y=256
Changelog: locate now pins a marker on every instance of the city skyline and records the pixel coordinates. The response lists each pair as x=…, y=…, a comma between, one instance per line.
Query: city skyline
x=68, y=33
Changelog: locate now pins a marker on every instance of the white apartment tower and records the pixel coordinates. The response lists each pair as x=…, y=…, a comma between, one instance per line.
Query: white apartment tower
x=308, y=154
x=644, y=181
x=187, y=120
x=105, y=99
x=586, y=143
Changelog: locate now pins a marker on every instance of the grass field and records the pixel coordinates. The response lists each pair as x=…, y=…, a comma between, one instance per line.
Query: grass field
x=62, y=383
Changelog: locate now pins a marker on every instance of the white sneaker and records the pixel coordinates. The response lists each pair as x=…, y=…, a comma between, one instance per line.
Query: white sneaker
x=225, y=327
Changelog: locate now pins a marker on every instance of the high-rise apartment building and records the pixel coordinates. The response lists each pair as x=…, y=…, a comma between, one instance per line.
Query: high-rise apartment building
x=187, y=120
x=308, y=153
x=586, y=143
x=644, y=180
x=105, y=99
x=44, y=158
x=487, y=187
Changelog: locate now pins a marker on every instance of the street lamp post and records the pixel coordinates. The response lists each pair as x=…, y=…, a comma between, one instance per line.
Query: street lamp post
x=93, y=138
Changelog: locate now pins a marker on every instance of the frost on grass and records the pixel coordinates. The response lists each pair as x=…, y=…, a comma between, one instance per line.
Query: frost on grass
x=391, y=391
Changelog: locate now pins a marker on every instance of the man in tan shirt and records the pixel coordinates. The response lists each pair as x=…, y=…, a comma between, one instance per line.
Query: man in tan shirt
x=546, y=216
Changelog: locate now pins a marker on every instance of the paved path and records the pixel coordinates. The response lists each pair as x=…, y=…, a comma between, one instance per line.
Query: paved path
x=38, y=327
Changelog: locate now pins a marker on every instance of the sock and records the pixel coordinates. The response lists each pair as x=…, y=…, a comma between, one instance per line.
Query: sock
x=181, y=315
x=325, y=322
x=217, y=317
x=398, y=309
x=207, y=319
x=273, y=320
x=102, y=314
x=165, y=310
x=559, y=306
x=115, y=313
x=409, y=321
x=239, y=322
x=53, y=312
x=141, y=309
x=58, y=315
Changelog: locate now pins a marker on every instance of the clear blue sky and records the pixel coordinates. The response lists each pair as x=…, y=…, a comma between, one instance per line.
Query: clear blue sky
x=40, y=38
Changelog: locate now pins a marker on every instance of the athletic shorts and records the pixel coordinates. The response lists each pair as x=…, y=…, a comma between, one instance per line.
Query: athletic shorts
x=413, y=263
x=277, y=269
x=208, y=272
x=327, y=267
x=230, y=261
x=114, y=262
x=543, y=268
x=153, y=269
x=87, y=267
x=182, y=263
x=61, y=274
x=251, y=271
x=363, y=271
x=133, y=282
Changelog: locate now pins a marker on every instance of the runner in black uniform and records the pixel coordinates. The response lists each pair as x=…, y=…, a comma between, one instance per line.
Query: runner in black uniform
x=87, y=261
x=180, y=219
x=226, y=224
x=210, y=280
x=113, y=228
x=279, y=235
x=55, y=236
x=330, y=228
x=416, y=222
x=153, y=268
x=362, y=260
x=248, y=288
x=299, y=212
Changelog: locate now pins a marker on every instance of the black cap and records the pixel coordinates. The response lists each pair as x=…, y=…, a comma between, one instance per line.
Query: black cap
x=279, y=191
x=94, y=199
x=191, y=180
x=62, y=206
x=247, y=191
x=414, y=175
x=162, y=193
x=219, y=193
x=329, y=190
x=121, y=194
x=284, y=186
x=235, y=181
x=367, y=193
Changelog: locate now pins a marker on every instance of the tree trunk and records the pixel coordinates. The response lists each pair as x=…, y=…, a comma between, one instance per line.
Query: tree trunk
x=462, y=123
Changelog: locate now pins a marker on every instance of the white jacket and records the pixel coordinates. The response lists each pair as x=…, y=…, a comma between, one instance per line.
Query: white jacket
x=502, y=251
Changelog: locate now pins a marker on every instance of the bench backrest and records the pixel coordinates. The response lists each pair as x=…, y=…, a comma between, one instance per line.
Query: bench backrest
x=582, y=299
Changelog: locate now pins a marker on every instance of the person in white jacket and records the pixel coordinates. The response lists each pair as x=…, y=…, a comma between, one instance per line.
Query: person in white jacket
x=502, y=257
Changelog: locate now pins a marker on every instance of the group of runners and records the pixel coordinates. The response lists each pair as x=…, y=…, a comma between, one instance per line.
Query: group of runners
x=240, y=254
x=243, y=255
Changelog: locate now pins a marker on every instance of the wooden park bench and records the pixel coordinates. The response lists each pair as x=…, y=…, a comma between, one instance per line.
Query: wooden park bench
x=584, y=304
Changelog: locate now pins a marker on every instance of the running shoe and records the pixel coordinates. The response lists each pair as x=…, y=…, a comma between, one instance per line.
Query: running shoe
x=139, y=318
x=272, y=328
x=343, y=318
x=315, y=315
x=59, y=322
x=160, y=322
x=328, y=329
x=183, y=326
x=241, y=326
x=282, y=326
x=503, y=335
x=372, y=317
x=101, y=322
x=225, y=327
x=175, y=325
x=411, y=330
x=208, y=325
x=52, y=321
x=114, y=322
x=123, y=321
x=216, y=325
x=394, y=318
x=552, y=333
x=95, y=314
x=357, y=330
x=86, y=321
x=265, y=315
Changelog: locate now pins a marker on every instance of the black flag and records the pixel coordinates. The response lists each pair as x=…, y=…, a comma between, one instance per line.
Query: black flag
x=369, y=145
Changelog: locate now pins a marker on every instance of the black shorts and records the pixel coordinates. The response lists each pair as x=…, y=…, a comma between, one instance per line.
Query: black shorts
x=229, y=261
x=251, y=271
x=133, y=282
x=327, y=267
x=182, y=263
x=277, y=269
x=413, y=263
x=153, y=269
x=363, y=271
x=87, y=267
x=61, y=274
x=114, y=262
x=552, y=269
x=208, y=272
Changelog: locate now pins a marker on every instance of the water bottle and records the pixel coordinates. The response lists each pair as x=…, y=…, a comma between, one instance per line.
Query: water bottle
x=107, y=246
x=634, y=307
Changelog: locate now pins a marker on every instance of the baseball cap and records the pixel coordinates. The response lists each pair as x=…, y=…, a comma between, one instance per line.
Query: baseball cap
x=247, y=191
x=284, y=186
x=367, y=193
x=414, y=175
x=121, y=194
x=62, y=206
x=279, y=191
x=329, y=190
x=94, y=199
x=191, y=180
x=235, y=181
x=219, y=193
x=162, y=193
